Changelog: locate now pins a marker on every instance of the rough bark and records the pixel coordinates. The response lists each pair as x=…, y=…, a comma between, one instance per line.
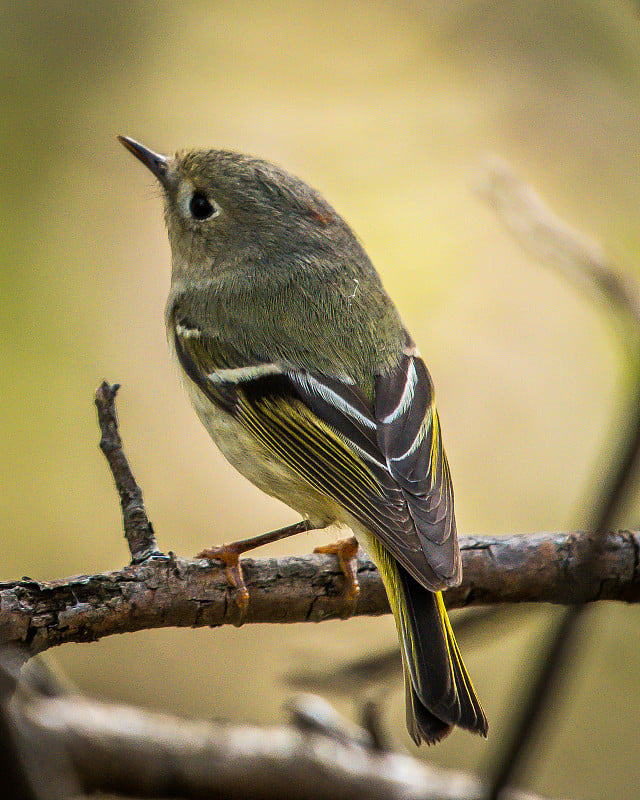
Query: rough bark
x=138, y=530
x=175, y=592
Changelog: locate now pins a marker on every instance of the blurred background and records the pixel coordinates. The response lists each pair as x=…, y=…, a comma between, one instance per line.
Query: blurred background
x=385, y=107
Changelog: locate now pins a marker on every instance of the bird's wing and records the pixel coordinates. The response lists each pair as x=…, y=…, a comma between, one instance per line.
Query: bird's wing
x=385, y=466
x=410, y=438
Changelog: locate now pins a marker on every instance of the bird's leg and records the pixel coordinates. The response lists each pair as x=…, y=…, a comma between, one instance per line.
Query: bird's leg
x=346, y=550
x=230, y=554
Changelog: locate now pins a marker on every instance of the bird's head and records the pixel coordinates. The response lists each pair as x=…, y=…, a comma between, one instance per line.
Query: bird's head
x=225, y=210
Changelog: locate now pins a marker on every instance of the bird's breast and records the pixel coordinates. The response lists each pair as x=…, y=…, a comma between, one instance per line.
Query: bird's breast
x=258, y=465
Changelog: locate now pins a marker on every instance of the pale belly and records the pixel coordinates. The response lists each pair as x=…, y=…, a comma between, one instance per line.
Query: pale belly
x=261, y=467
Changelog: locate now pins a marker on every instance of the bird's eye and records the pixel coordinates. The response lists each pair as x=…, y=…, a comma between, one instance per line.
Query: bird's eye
x=201, y=207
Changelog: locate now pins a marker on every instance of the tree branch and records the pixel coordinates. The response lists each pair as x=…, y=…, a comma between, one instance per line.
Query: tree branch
x=176, y=592
x=134, y=752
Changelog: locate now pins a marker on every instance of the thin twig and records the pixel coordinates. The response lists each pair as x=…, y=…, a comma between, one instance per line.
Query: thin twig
x=137, y=528
x=553, y=242
x=381, y=668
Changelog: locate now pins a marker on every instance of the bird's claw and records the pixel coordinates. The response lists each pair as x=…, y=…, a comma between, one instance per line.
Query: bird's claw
x=229, y=554
x=346, y=551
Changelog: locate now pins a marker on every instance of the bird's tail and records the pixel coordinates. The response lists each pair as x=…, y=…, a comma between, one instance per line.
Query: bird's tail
x=440, y=694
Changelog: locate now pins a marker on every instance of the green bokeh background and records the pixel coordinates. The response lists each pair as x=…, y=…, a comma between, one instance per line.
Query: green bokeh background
x=385, y=107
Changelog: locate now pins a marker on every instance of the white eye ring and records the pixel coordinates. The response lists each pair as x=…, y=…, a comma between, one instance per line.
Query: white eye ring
x=196, y=204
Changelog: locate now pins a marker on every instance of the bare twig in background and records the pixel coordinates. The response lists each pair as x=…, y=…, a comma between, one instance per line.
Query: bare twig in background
x=177, y=592
x=541, y=232
x=386, y=666
x=128, y=751
x=550, y=240
x=137, y=528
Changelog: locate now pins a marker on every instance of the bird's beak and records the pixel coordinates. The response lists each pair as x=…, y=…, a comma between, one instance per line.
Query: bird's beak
x=153, y=161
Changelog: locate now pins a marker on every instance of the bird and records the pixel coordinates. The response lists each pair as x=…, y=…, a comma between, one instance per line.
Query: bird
x=299, y=366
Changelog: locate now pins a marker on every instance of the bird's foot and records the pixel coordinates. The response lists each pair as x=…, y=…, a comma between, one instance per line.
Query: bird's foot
x=346, y=551
x=230, y=554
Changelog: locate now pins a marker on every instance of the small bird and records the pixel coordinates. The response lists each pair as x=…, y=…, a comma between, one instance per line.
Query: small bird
x=301, y=370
